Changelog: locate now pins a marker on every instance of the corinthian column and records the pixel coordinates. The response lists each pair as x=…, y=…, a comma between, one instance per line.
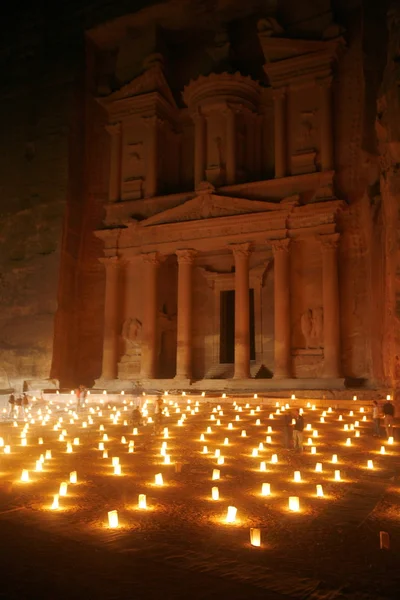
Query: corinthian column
x=280, y=136
x=114, y=184
x=326, y=124
x=230, y=147
x=184, y=326
x=151, y=157
x=330, y=294
x=199, y=148
x=111, y=306
x=148, y=366
x=280, y=249
x=241, y=252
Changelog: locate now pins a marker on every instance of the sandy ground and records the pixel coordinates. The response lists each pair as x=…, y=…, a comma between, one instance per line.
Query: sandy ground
x=181, y=546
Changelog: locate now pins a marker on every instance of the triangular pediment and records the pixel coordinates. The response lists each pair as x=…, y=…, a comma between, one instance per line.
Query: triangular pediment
x=151, y=80
x=211, y=206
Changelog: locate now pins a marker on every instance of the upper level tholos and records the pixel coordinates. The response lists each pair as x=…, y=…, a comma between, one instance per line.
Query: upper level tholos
x=232, y=129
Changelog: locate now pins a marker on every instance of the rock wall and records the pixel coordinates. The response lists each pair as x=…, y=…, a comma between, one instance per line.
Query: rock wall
x=33, y=190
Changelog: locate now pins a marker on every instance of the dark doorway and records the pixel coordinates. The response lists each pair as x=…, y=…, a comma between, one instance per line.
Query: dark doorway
x=227, y=327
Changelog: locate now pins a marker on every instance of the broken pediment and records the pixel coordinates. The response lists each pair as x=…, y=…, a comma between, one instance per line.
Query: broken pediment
x=211, y=206
x=151, y=80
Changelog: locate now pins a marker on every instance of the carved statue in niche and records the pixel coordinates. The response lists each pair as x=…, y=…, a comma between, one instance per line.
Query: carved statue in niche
x=312, y=327
x=135, y=162
x=241, y=147
x=305, y=137
x=218, y=159
x=132, y=337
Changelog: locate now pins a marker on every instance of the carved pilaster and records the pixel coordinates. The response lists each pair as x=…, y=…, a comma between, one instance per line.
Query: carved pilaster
x=114, y=182
x=148, y=367
x=241, y=253
x=151, y=184
x=330, y=295
x=280, y=133
x=325, y=86
x=199, y=147
x=111, y=305
x=281, y=250
x=185, y=301
x=230, y=146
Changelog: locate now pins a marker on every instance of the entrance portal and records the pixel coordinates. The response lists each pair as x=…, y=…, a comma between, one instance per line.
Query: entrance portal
x=227, y=327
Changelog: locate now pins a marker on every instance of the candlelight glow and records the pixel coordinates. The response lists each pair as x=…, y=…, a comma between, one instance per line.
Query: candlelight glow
x=255, y=537
x=231, y=514
x=142, y=501
x=215, y=474
x=266, y=489
x=113, y=519
x=294, y=503
x=25, y=475
x=215, y=493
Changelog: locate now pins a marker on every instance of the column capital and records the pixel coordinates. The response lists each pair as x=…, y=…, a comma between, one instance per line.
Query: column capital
x=231, y=109
x=186, y=256
x=113, y=129
x=325, y=82
x=152, y=258
x=329, y=242
x=241, y=250
x=279, y=93
x=152, y=121
x=196, y=114
x=110, y=262
x=281, y=245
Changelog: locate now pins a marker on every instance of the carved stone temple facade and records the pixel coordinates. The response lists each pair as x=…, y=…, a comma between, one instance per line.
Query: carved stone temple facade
x=237, y=276
x=202, y=195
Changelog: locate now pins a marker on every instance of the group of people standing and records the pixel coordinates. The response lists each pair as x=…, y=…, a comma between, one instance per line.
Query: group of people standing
x=80, y=393
x=387, y=413
x=293, y=426
x=17, y=405
x=137, y=418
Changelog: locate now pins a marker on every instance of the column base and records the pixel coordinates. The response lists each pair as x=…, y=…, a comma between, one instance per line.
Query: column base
x=331, y=375
x=182, y=381
x=282, y=375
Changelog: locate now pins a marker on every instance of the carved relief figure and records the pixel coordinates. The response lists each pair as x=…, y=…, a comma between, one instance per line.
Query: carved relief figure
x=135, y=168
x=305, y=137
x=132, y=335
x=312, y=327
x=217, y=154
x=241, y=146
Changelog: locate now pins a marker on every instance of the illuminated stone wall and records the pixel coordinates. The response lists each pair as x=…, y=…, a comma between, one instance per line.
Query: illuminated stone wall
x=55, y=175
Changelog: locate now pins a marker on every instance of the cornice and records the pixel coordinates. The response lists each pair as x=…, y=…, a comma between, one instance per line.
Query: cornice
x=224, y=87
x=143, y=105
